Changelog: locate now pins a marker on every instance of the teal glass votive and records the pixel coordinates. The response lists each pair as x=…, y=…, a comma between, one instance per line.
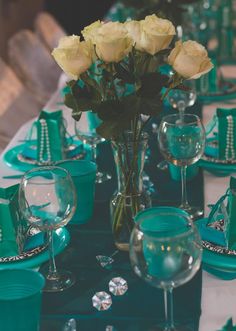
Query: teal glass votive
x=175, y=171
x=20, y=299
x=83, y=173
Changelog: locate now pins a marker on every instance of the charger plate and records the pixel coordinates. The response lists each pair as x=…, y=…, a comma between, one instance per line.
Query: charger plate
x=226, y=92
x=15, y=159
x=220, y=272
x=212, y=163
x=216, y=260
x=61, y=239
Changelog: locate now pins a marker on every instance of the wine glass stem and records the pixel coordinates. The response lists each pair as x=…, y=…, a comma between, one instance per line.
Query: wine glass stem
x=184, y=202
x=168, y=302
x=52, y=270
x=93, y=152
x=181, y=112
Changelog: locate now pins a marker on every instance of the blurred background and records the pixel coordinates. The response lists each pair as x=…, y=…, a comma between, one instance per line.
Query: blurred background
x=29, y=30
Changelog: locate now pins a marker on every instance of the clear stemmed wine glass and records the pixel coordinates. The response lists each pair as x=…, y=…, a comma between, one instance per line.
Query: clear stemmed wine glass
x=85, y=130
x=165, y=251
x=181, y=99
x=182, y=142
x=47, y=200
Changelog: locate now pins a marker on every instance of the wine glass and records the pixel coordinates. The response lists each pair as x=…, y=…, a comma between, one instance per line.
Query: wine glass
x=47, y=201
x=181, y=99
x=182, y=142
x=85, y=130
x=165, y=251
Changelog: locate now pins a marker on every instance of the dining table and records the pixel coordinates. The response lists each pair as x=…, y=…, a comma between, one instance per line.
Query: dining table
x=205, y=303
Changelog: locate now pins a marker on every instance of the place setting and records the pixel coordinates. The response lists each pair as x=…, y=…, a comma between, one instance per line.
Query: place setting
x=219, y=154
x=47, y=142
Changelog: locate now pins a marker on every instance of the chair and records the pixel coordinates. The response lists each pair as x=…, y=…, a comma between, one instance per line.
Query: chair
x=48, y=30
x=33, y=64
x=17, y=105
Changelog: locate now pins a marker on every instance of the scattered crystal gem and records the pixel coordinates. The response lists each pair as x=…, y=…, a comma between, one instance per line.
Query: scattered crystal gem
x=118, y=286
x=104, y=261
x=102, y=300
x=110, y=328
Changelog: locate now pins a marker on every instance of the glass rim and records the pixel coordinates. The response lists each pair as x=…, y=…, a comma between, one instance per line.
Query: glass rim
x=189, y=226
x=45, y=168
x=176, y=115
x=37, y=277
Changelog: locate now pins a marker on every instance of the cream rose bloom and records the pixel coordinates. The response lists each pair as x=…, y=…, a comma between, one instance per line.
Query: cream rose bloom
x=152, y=34
x=73, y=56
x=90, y=31
x=190, y=59
x=112, y=42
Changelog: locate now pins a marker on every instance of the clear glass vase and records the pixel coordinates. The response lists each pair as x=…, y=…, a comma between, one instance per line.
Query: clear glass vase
x=130, y=197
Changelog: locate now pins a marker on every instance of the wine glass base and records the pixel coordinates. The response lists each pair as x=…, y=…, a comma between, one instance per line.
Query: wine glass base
x=102, y=177
x=194, y=212
x=60, y=282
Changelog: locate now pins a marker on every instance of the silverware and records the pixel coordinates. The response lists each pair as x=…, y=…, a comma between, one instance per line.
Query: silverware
x=12, y=177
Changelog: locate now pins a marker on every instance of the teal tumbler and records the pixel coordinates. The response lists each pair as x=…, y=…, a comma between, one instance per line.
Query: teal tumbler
x=20, y=299
x=83, y=174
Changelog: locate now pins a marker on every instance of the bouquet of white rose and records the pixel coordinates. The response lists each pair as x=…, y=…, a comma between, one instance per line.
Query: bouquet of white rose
x=117, y=70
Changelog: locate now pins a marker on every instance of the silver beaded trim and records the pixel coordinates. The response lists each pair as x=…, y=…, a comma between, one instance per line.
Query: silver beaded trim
x=44, y=143
x=229, y=151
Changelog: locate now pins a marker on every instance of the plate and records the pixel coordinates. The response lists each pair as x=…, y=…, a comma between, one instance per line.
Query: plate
x=226, y=92
x=215, y=260
x=61, y=239
x=15, y=159
x=211, y=163
x=219, y=272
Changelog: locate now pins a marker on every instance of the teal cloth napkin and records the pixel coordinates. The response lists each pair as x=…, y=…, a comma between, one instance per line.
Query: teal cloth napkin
x=229, y=326
x=9, y=221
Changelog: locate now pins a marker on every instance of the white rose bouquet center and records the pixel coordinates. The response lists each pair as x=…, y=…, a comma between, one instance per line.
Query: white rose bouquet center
x=117, y=72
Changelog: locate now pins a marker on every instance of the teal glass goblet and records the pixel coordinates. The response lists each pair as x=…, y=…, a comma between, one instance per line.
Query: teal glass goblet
x=165, y=251
x=47, y=201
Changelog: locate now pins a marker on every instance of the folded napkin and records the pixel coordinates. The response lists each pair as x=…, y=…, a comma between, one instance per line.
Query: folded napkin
x=48, y=139
x=227, y=133
x=220, y=227
x=229, y=326
x=11, y=226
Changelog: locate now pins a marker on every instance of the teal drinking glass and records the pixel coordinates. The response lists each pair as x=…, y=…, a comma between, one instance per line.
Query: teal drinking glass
x=20, y=299
x=83, y=174
x=165, y=251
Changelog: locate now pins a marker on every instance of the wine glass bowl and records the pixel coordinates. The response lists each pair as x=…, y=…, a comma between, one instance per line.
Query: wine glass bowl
x=47, y=201
x=181, y=143
x=165, y=251
x=182, y=98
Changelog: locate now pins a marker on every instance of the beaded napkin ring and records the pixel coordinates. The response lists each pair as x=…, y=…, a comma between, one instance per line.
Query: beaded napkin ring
x=44, y=142
x=230, y=139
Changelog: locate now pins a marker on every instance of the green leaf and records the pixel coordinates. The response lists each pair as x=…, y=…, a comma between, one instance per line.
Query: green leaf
x=117, y=116
x=151, y=84
x=109, y=110
x=151, y=106
x=124, y=74
x=71, y=102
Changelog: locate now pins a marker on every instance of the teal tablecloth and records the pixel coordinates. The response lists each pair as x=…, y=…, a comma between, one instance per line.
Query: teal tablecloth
x=142, y=305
